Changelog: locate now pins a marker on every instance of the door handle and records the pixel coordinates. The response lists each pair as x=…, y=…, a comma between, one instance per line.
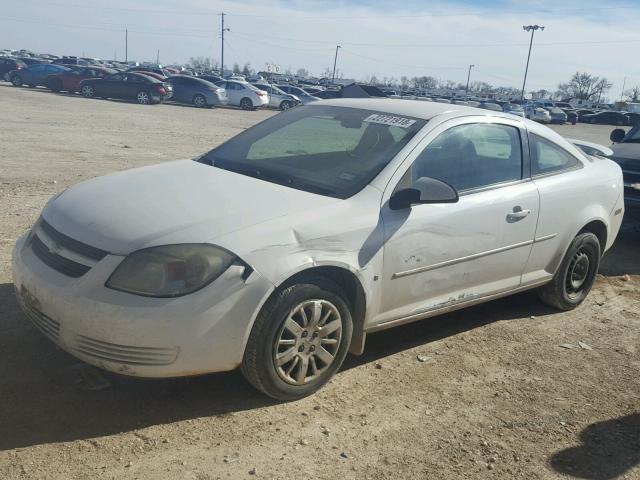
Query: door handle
x=517, y=214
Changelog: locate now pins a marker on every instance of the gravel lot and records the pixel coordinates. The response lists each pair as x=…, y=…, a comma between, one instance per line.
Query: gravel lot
x=497, y=397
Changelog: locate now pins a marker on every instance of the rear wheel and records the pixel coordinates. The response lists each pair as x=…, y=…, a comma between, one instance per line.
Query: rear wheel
x=246, y=104
x=16, y=81
x=143, y=97
x=199, y=101
x=88, y=91
x=299, y=340
x=576, y=274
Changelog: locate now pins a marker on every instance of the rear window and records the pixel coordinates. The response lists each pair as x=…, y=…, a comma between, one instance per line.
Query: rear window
x=333, y=151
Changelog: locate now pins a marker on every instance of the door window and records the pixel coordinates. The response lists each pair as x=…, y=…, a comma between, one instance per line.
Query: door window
x=472, y=156
x=546, y=157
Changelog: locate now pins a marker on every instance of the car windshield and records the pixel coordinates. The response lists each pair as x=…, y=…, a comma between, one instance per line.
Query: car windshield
x=513, y=107
x=332, y=151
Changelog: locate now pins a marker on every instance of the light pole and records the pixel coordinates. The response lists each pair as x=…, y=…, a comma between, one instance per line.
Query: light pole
x=532, y=29
x=223, y=29
x=335, y=60
x=468, y=77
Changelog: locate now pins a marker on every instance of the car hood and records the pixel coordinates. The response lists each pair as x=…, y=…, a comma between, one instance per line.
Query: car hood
x=175, y=202
x=626, y=150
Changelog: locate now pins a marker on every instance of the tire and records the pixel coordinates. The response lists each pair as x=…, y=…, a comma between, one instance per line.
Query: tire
x=300, y=349
x=575, y=276
x=285, y=105
x=88, y=91
x=143, y=98
x=16, y=81
x=246, y=104
x=199, y=101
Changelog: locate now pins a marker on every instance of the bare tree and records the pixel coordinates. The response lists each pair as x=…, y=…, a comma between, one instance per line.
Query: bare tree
x=303, y=72
x=236, y=69
x=584, y=86
x=633, y=94
x=247, y=70
x=200, y=63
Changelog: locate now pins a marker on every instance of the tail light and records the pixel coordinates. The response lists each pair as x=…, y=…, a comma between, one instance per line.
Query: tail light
x=260, y=93
x=18, y=67
x=162, y=90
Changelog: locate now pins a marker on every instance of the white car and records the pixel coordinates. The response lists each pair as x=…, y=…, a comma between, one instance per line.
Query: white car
x=279, y=250
x=537, y=114
x=244, y=95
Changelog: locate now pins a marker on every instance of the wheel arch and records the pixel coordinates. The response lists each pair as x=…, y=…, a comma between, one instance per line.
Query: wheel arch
x=346, y=279
x=599, y=229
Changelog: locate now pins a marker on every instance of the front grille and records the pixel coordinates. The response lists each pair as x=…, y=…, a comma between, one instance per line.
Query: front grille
x=46, y=325
x=71, y=244
x=126, y=354
x=57, y=262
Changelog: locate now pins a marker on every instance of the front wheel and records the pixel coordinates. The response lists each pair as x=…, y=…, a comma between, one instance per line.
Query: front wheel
x=285, y=105
x=299, y=340
x=246, y=104
x=16, y=81
x=576, y=274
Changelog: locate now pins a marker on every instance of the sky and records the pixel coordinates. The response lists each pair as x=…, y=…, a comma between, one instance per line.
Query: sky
x=381, y=38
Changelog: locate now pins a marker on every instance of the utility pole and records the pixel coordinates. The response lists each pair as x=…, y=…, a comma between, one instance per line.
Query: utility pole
x=126, y=46
x=158, y=57
x=532, y=29
x=335, y=60
x=468, y=77
x=222, y=44
x=624, y=84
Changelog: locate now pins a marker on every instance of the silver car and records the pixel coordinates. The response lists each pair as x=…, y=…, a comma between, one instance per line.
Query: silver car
x=244, y=95
x=304, y=96
x=279, y=250
x=277, y=98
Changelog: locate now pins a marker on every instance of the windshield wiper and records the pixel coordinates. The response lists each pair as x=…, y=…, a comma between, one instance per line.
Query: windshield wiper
x=276, y=177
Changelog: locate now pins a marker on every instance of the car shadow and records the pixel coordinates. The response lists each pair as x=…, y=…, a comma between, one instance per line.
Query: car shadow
x=49, y=396
x=607, y=450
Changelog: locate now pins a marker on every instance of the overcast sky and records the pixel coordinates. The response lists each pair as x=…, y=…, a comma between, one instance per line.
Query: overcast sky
x=388, y=39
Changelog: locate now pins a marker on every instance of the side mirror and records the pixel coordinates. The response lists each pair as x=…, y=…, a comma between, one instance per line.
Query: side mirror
x=424, y=190
x=617, y=135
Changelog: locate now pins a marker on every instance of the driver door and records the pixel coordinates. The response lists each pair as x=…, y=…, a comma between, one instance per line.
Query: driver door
x=440, y=255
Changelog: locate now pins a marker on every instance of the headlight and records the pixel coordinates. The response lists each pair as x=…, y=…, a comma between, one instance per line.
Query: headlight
x=170, y=270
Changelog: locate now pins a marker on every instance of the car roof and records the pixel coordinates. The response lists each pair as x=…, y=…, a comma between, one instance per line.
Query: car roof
x=412, y=108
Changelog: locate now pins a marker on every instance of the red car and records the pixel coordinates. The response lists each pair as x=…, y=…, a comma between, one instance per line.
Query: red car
x=70, y=81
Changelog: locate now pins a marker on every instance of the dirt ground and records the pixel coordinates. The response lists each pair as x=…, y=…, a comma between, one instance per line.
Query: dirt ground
x=497, y=397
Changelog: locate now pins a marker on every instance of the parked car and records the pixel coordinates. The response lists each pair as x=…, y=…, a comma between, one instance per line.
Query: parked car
x=126, y=85
x=582, y=112
x=197, y=91
x=70, y=79
x=161, y=78
x=244, y=95
x=626, y=153
x=634, y=118
x=513, y=109
x=279, y=250
x=32, y=61
x=277, y=98
x=35, y=74
x=68, y=61
x=147, y=68
x=537, y=114
x=607, y=118
x=315, y=90
x=557, y=115
x=8, y=64
x=572, y=115
x=211, y=78
x=304, y=97
x=491, y=106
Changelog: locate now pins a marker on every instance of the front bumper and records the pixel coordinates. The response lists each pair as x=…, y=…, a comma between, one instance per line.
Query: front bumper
x=203, y=332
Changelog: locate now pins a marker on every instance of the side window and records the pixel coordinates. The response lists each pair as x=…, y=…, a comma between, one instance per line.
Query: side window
x=472, y=156
x=134, y=79
x=546, y=157
x=117, y=77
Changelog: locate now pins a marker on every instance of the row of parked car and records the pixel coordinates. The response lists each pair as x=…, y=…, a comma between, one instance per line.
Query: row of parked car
x=148, y=85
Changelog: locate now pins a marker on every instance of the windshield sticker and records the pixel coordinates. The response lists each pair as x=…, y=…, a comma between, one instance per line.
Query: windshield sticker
x=390, y=120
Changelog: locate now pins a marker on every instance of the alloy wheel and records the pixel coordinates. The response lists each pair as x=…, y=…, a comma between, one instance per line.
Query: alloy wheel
x=87, y=91
x=199, y=101
x=308, y=341
x=142, y=98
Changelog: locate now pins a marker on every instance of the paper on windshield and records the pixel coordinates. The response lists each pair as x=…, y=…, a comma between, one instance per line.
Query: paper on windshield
x=390, y=120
